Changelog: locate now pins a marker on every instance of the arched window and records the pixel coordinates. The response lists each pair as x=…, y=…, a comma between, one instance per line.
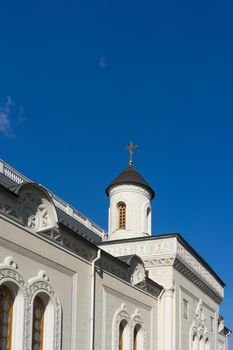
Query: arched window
x=38, y=324
x=138, y=338
x=135, y=336
x=121, y=216
x=6, y=316
x=122, y=340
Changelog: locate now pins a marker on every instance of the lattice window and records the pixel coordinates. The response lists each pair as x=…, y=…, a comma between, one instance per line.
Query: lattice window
x=38, y=324
x=6, y=313
x=121, y=216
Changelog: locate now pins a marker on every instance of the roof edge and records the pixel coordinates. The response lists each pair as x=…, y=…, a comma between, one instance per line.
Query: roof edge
x=180, y=239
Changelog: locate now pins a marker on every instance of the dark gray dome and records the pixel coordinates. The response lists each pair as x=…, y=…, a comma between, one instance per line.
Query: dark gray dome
x=130, y=176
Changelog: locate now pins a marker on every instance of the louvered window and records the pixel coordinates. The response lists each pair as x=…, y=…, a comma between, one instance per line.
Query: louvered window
x=121, y=216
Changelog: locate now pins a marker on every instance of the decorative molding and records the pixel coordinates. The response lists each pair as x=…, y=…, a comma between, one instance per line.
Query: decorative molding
x=201, y=271
x=137, y=320
x=120, y=315
x=36, y=209
x=145, y=249
x=169, y=252
x=129, y=188
x=137, y=272
x=114, y=268
x=199, y=331
x=38, y=285
x=53, y=234
x=9, y=273
x=197, y=280
x=166, y=261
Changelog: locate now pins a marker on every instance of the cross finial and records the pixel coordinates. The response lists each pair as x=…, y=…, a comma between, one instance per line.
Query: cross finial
x=131, y=148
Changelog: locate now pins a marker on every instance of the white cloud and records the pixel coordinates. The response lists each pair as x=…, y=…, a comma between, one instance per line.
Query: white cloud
x=5, y=121
x=5, y=124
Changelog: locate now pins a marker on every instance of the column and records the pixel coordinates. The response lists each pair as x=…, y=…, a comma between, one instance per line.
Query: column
x=168, y=319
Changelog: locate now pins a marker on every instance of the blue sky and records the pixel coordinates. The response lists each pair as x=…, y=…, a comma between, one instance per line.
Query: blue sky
x=80, y=79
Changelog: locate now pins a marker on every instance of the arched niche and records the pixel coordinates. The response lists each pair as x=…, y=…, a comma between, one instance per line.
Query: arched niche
x=12, y=279
x=138, y=332
x=146, y=217
x=137, y=270
x=36, y=208
x=41, y=287
x=121, y=330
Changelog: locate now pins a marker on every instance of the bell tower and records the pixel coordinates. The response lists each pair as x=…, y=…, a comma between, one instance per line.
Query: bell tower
x=130, y=203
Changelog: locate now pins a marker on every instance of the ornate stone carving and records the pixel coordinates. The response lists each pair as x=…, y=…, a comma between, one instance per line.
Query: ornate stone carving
x=170, y=252
x=9, y=273
x=137, y=320
x=35, y=208
x=120, y=315
x=197, y=280
x=167, y=261
x=40, y=284
x=137, y=271
x=199, y=268
x=199, y=329
x=147, y=250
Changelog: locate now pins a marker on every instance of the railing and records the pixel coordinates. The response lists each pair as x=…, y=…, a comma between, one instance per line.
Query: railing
x=18, y=178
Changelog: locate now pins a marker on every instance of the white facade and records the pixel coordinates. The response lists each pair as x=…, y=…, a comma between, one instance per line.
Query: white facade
x=149, y=292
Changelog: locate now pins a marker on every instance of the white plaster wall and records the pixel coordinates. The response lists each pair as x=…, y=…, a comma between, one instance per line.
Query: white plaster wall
x=187, y=290
x=111, y=294
x=137, y=200
x=68, y=277
x=183, y=289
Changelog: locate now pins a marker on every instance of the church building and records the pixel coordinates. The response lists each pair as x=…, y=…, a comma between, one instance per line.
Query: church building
x=67, y=284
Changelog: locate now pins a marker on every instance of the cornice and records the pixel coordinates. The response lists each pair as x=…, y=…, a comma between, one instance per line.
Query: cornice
x=170, y=252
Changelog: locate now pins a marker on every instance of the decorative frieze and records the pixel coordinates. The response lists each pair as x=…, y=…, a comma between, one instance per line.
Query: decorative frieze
x=201, y=271
x=169, y=251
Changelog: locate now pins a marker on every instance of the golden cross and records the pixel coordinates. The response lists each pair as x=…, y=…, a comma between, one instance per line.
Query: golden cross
x=131, y=148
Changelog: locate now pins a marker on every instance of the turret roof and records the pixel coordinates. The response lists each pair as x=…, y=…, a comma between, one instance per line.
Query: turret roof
x=130, y=176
